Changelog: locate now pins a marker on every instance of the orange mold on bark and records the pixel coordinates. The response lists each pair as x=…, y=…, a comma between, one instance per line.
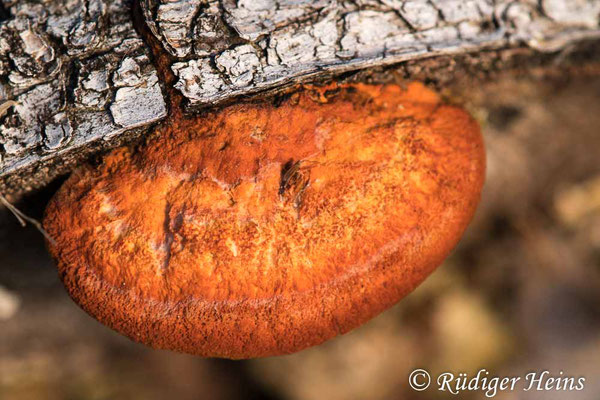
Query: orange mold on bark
x=261, y=230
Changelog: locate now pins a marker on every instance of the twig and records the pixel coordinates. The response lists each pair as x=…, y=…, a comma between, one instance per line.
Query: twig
x=23, y=219
x=5, y=106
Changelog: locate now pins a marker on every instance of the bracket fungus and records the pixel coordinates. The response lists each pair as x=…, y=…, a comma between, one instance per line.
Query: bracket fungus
x=263, y=229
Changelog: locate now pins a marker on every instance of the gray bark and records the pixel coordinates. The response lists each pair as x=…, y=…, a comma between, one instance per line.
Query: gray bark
x=81, y=77
x=260, y=44
x=78, y=72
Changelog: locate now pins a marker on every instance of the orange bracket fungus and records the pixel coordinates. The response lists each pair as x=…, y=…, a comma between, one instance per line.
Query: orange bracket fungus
x=263, y=229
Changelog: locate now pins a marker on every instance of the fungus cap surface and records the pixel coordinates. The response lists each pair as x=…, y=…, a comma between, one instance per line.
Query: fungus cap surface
x=260, y=229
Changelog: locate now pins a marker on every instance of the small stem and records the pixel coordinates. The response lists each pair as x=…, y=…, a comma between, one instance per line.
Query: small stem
x=5, y=106
x=23, y=219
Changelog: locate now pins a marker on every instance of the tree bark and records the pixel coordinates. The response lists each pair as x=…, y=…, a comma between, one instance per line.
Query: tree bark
x=86, y=75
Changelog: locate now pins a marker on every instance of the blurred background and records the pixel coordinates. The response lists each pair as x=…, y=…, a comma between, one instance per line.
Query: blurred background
x=520, y=293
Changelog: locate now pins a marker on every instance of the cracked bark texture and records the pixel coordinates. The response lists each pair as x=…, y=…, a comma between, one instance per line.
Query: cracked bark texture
x=80, y=73
x=223, y=48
